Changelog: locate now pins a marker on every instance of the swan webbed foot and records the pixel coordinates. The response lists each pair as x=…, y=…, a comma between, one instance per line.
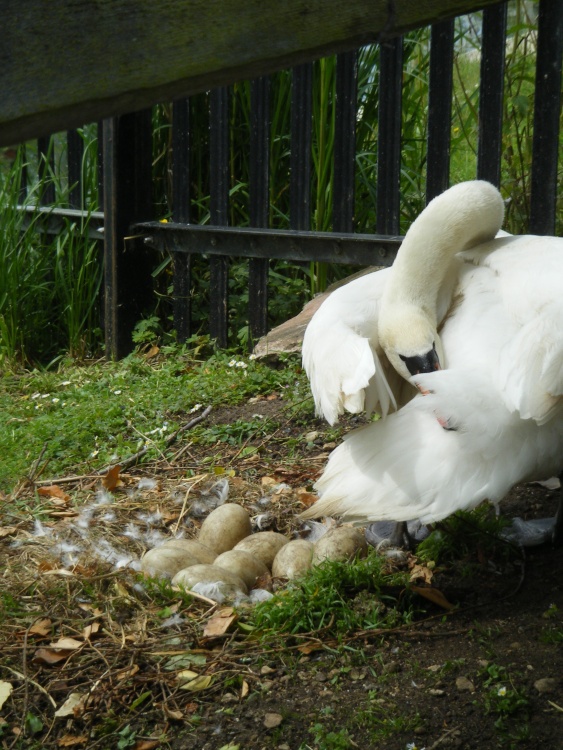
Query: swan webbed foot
x=400, y=535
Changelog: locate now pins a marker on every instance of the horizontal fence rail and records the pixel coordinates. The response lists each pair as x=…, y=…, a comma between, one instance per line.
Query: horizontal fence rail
x=124, y=175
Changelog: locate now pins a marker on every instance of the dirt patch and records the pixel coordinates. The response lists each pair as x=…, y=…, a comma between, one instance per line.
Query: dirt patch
x=486, y=675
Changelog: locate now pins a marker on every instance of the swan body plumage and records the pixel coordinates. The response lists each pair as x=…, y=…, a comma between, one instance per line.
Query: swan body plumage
x=491, y=416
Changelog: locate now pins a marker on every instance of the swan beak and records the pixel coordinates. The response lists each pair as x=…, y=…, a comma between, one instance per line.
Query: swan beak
x=429, y=362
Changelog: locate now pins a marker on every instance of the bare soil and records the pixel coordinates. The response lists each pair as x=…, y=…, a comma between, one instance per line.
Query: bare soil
x=485, y=675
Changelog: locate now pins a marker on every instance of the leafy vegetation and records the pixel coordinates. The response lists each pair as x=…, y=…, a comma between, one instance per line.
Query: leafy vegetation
x=337, y=597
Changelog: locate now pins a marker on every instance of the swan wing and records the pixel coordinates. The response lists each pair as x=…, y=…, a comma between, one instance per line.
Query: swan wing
x=346, y=367
x=527, y=271
x=442, y=452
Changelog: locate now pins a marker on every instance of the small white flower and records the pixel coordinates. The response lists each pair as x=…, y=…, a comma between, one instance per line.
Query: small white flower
x=66, y=382
x=253, y=356
x=243, y=365
x=45, y=395
x=197, y=407
x=35, y=395
x=232, y=363
x=55, y=400
x=501, y=691
x=117, y=393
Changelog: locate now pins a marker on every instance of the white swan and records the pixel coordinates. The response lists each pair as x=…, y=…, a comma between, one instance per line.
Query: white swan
x=490, y=313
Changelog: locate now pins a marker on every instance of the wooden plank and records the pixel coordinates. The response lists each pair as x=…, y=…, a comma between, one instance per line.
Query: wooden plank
x=87, y=60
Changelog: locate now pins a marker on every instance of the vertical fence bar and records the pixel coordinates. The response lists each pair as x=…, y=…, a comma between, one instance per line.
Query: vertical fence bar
x=259, y=193
x=439, y=108
x=345, y=142
x=301, y=139
x=181, y=212
x=74, y=156
x=546, y=117
x=493, y=46
x=46, y=164
x=389, y=137
x=100, y=144
x=219, y=205
x=127, y=199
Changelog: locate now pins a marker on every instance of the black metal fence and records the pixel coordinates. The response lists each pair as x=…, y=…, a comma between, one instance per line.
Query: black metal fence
x=125, y=180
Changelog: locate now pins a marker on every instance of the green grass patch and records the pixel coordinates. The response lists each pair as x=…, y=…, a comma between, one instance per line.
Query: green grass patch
x=82, y=418
x=336, y=598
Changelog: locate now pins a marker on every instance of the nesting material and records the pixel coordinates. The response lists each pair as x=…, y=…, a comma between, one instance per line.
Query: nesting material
x=188, y=577
x=224, y=527
x=264, y=545
x=245, y=565
x=342, y=543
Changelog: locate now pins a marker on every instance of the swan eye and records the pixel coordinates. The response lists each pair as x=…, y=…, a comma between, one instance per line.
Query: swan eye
x=427, y=363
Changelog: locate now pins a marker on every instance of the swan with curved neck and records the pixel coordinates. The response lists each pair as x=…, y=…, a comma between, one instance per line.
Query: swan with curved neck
x=485, y=311
x=424, y=273
x=370, y=336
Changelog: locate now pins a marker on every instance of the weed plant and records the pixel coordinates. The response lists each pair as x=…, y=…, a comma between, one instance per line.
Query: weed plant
x=460, y=536
x=336, y=598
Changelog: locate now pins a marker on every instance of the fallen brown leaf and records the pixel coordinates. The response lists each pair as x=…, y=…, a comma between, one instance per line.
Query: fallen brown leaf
x=433, y=595
x=41, y=627
x=111, y=479
x=55, y=492
x=219, y=623
x=70, y=740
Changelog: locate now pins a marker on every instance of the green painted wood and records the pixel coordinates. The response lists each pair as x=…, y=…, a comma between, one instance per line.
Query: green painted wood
x=68, y=62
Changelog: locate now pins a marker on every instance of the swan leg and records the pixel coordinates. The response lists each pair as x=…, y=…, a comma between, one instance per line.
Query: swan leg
x=400, y=536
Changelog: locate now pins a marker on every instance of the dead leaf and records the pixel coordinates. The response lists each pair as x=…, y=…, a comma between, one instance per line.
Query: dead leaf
x=72, y=705
x=220, y=622
x=7, y=531
x=129, y=672
x=268, y=481
x=111, y=479
x=70, y=740
x=5, y=691
x=193, y=681
x=90, y=630
x=152, y=352
x=433, y=595
x=58, y=572
x=244, y=689
x=174, y=715
x=308, y=648
x=41, y=627
x=67, y=644
x=146, y=744
x=421, y=573
x=56, y=493
x=50, y=656
x=307, y=498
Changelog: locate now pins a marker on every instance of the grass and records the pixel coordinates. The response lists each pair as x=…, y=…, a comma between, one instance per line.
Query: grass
x=335, y=598
x=82, y=418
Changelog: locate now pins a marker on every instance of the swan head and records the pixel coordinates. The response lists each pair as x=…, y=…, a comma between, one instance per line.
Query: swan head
x=410, y=342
